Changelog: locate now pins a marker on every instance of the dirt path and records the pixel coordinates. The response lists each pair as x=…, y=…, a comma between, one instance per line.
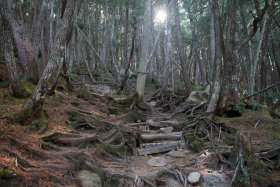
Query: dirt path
x=104, y=136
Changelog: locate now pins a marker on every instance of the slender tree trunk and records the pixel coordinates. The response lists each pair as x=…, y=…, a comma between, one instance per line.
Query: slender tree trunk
x=254, y=65
x=142, y=69
x=180, y=47
x=231, y=56
x=215, y=34
x=167, y=51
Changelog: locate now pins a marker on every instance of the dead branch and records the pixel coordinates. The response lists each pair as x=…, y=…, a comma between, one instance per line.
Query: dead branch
x=260, y=91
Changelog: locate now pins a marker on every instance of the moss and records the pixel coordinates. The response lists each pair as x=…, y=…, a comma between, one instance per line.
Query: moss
x=39, y=123
x=276, y=132
x=56, y=100
x=106, y=179
x=255, y=164
x=77, y=160
x=28, y=86
x=21, y=116
x=26, y=117
x=133, y=116
x=195, y=144
x=4, y=172
x=83, y=93
x=73, y=116
x=121, y=105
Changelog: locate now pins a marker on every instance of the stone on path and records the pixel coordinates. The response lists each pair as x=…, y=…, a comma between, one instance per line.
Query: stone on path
x=176, y=154
x=166, y=130
x=99, y=88
x=194, y=177
x=157, y=161
x=215, y=180
x=89, y=179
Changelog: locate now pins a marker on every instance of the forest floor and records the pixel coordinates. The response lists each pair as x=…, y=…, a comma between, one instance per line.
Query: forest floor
x=79, y=137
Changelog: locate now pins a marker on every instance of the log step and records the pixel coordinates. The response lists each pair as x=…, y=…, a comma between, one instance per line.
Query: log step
x=154, y=137
x=161, y=147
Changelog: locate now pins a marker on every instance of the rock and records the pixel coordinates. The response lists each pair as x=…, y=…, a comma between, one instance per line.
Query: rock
x=89, y=179
x=157, y=161
x=99, y=88
x=197, y=97
x=150, y=121
x=176, y=154
x=215, y=180
x=138, y=121
x=153, y=103
x=194, y=177
x=166, y=130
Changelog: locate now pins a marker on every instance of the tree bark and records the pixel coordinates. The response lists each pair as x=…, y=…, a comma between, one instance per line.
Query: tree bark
x=181, y=50
x=16, y=88
x=50, y=73
x=142, y=69
x=23, y=44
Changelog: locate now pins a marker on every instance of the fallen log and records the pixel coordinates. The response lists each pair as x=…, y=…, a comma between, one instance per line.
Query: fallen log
x=149, y=145
x=170, y=136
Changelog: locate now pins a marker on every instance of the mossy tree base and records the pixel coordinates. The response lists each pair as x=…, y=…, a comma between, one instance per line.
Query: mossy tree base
x=36, y=118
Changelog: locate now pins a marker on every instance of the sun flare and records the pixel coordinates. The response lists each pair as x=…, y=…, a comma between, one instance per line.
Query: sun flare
x=161, y=16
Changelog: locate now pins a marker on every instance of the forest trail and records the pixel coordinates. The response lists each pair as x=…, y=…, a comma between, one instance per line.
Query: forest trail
x=102, y=134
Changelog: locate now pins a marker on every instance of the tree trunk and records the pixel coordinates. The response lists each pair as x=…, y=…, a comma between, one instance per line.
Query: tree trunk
x=216, y=46
x=254, y=65
x=142, y=69
x=23, y=44
x=50, y=73
x=168, y=53
x=16, y=88
x=180, y=47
